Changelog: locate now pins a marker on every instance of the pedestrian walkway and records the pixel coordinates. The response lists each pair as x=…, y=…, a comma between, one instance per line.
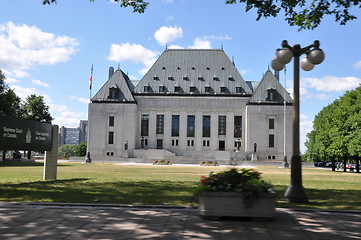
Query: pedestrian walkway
x=52, y=222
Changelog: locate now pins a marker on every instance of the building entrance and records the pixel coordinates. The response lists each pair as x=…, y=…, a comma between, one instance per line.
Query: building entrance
x=222, y=145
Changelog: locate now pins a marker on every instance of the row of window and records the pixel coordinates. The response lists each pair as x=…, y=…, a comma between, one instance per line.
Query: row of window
x=190, y=142
x=191, y=128
x=200, y=78
x=193, y=68
x=192, y=89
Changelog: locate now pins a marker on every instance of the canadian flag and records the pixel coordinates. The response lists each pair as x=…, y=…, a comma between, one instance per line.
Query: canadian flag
x=90, y=82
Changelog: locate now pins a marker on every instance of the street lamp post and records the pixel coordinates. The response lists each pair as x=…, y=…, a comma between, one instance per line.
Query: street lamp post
x=314, y=55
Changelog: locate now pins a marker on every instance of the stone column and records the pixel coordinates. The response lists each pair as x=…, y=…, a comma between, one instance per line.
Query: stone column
x=51, y=157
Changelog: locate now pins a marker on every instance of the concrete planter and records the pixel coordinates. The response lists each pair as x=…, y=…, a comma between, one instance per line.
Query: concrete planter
x=213, y=205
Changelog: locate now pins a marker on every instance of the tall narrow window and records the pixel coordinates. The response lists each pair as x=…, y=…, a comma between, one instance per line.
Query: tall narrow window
x=144, y=128
x=175, y=125
x=237, y=126
x=272, y=95
x=113, y=93
x=271, y=123
x=206, y=126
x=222, y=125
x=207, y=89
x=160, y=124
x=111, y=138
x=271, y=141
x=111, y=121
x=190, y=125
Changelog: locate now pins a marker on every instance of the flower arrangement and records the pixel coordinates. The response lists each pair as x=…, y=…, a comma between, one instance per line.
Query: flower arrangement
x=245, y=181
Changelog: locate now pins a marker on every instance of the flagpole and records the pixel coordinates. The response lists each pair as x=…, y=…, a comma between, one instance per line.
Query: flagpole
x=87, y=158
x=285, y=163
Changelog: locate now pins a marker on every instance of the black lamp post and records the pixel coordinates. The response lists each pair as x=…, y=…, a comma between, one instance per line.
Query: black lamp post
x=314, y=55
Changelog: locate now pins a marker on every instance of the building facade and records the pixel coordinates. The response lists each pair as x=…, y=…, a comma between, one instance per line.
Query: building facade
x=191, y=103
x=73, y=136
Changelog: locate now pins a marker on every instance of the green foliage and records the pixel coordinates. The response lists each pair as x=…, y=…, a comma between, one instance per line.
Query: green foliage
x=81, y=149
x=138, y=6
x=172, y=185
x=9, y=102
x=34, y=108
x=337, y=129
x=304, y=14
x=245, y=181
x=66, y=151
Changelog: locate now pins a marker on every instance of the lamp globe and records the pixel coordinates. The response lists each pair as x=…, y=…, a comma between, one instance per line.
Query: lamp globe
x=276, y=65
x=316, y=56
x=284, y=55
x=306, y=65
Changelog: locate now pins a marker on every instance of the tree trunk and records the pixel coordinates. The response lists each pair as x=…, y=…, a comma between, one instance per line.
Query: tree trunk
x=333, y=164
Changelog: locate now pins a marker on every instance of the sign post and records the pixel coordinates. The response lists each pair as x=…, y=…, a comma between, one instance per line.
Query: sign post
x=23, y=134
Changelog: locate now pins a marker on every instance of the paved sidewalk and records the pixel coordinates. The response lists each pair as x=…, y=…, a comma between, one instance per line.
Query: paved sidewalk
x=26, y=221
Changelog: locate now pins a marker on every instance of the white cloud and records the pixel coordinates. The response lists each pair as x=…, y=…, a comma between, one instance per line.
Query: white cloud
x=175, y=47
x=64, y=116
x=169, y=19
x=20, y=73
x=66, y=121
x=58, y=108
x=132, y=52
x=165, y=35
x=357, y=65
x=80, y=99
x=23, y=46
x=70, y=114
x=218, y=37
x=9, y=80
x=332, y=83
x=200, y=43
x=245, y=71
x=39, y=83
x=23, y=93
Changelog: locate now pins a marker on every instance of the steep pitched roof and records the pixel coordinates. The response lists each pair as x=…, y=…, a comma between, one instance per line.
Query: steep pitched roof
x=190, y=71
x=270, y=82
x=120, y=82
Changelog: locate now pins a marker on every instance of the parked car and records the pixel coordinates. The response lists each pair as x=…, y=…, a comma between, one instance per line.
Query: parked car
x=329, y=164
x=351, y=167
x=320, y=164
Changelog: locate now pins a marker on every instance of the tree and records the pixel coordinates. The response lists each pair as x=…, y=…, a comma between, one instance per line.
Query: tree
x=138, y=6
x=66, y=151
x=301, y=13
x=81, y=149
x=336, y=130
x=9, y=102
x=34, y=108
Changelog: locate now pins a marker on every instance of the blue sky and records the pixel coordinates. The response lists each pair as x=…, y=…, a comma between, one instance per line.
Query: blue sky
x=49, y=50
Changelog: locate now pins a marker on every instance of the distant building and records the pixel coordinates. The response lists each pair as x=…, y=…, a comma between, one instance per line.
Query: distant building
x=191, y=104
x=73, y=136
x=83, y=127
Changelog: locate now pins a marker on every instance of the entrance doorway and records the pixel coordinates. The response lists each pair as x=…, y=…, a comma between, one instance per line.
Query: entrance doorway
x=222, y=145
x=159, y=143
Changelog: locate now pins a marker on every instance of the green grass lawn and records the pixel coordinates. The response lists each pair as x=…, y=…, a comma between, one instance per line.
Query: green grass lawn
x=160, y=185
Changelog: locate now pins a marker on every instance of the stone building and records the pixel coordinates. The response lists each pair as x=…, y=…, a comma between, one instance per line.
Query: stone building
x=191, y=105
